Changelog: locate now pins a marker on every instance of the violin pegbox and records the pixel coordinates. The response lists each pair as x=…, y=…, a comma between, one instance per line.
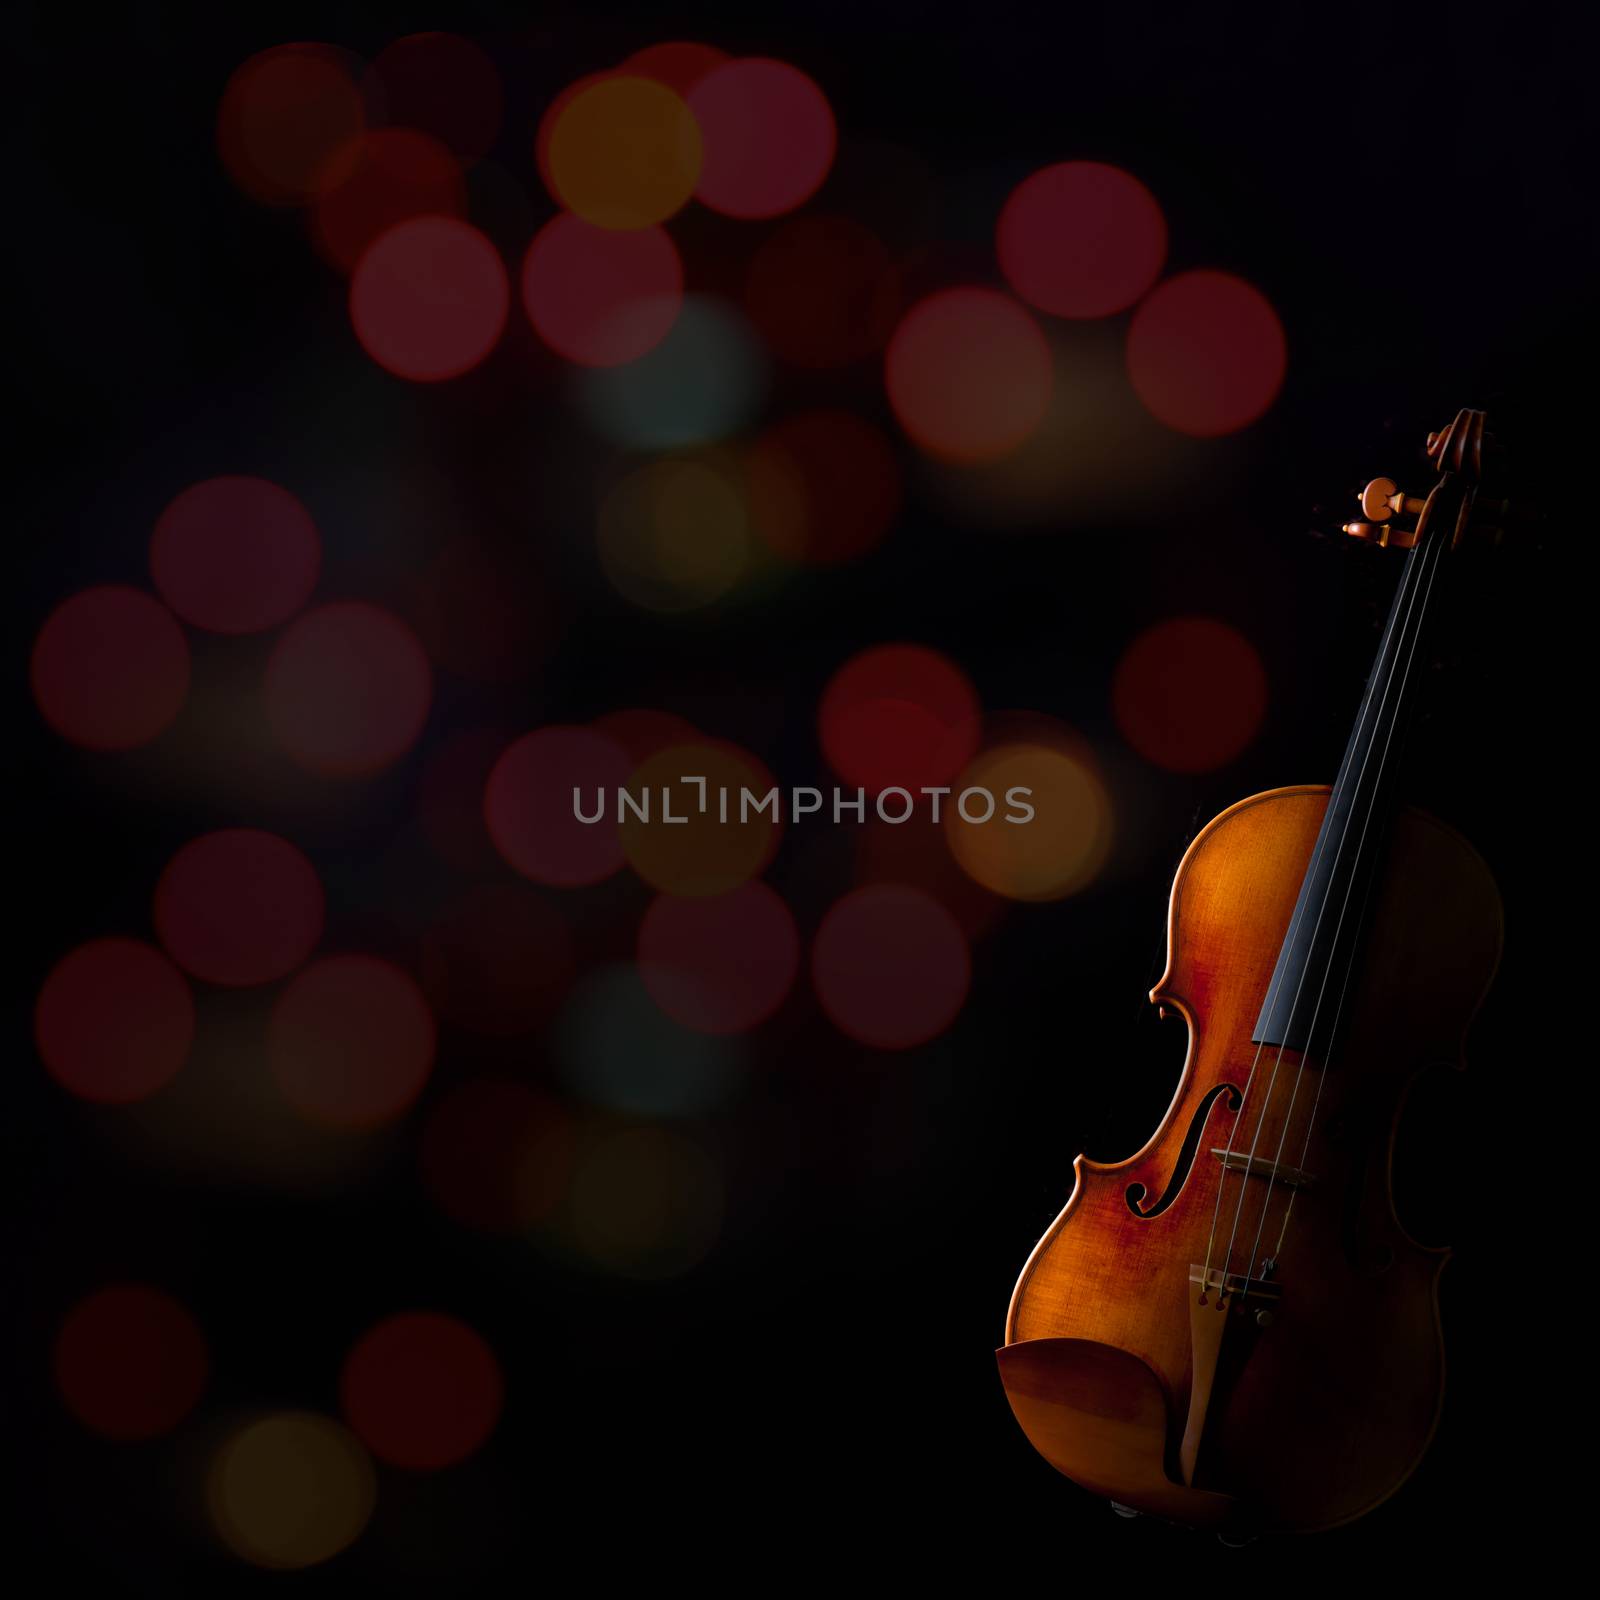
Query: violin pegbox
x=1456, y=454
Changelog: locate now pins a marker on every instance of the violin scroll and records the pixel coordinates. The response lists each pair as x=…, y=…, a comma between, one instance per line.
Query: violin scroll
x=1456, y=454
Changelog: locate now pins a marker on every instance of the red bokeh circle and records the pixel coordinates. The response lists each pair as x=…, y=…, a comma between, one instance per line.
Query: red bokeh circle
x=378, y=180
x=130, y=1362
x=422, y=1390
x=1081, y=239
x=235, y=554
x=1189, y=694
x=643, y=732
x=823, y=291
x=283, y=114
x=347, y=689
x=114, y=1021
x=528, y=805
x=442, y=84
x=769, y=137
x=969, y=374
x=1206, y=353
x=351, y=1041
x=723, y=963
x=891, y=966
x=899, y=715
x=238, y=907
x=601, y=297
x=110, y=668
x=678, y=64
x=429, y=299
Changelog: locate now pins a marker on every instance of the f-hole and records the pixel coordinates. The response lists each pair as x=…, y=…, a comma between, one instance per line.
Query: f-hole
x=1191, y=1144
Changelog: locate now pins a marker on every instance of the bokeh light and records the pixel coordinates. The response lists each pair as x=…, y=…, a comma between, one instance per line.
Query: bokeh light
x=623, y=152
x=1056, y=851
x=283, y=114
x=643, y=732
x=1189, y=694
x=769, y=137
x=422, y=1390
x=110, y=668
x=1206, y=353
x=645, y=1203
x=497, y=960
x=600, y=297
x=130, y=1362
x=351, y=1041
x=291, y=1491
x=969, y=374
x=551, y=119
x=529, y=805
x=679, y=64
x=238, y=907
x=899, y=715
x=707, y=853
x=617, y=1049
x=722, y=964
x=1081, y=239
x=429, y=299
x=223, y=1128
x=443, y=85
x=674, y=534
x=823, y=292
x=890, y=965
x=496, y=1155
x=822, y=487
x=235, y=554
x=704, y=381
x=919, y=858
x=378, y=180
x=114, y=1021
x=347, y=689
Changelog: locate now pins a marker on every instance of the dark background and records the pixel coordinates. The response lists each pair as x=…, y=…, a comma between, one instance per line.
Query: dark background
x=1410, y=188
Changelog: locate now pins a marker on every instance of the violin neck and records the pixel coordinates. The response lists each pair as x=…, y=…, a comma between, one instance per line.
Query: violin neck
x=1304, y=1001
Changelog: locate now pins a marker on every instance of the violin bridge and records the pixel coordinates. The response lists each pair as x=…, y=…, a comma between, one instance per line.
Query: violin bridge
x=1259, y=1166
x=1235, y=1283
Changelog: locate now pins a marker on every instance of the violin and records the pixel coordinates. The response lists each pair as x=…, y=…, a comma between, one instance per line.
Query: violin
x=1232, y=1329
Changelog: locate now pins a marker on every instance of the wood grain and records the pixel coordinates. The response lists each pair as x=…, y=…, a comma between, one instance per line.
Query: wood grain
x=1318, y=1417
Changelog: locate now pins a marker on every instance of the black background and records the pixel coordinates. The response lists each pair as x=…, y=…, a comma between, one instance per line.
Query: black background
x=1410, y=186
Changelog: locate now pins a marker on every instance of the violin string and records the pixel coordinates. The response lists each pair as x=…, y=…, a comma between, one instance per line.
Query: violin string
x=1239, y=1117
x=1368, y=702
x=1436, y=556
x=1294, y=1005
x=1316, y=1099
x=1419, y=605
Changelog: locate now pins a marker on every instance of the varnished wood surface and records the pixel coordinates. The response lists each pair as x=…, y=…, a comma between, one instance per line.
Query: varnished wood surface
x=1325, y=1412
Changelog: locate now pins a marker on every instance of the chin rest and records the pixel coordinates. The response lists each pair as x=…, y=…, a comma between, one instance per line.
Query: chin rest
x=1100, y=1416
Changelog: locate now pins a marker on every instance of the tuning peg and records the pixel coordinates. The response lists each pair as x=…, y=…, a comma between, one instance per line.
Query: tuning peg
x=1381, y=499
x=1382, y=533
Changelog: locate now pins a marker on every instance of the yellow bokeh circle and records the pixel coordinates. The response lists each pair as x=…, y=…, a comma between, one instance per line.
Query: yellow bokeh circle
x=722, y=841
x=1054, y=853
x=674, y=535
x=291, y=1490
x=645, y=1203
x=624, y=153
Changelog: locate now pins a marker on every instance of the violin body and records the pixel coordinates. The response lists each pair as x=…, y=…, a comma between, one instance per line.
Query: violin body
x=1304, y=1394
